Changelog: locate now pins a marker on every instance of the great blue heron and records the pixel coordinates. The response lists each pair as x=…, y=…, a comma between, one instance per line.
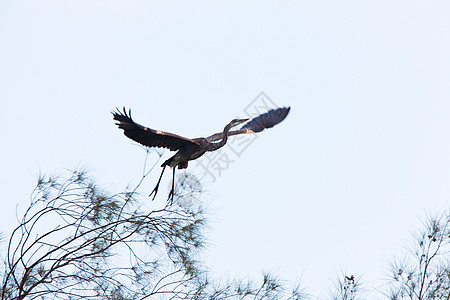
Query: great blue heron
x=190, y=149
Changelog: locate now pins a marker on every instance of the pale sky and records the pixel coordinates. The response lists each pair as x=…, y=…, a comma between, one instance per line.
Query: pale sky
x=339, y=185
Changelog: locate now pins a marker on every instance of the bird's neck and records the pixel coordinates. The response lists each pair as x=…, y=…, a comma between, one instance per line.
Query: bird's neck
x=222, y=142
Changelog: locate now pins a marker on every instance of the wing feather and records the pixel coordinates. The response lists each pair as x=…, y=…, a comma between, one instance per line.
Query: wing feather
x=150, y=137
x=267, y=120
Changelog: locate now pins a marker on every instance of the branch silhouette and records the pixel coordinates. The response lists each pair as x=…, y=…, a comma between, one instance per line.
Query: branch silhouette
x=78, y=241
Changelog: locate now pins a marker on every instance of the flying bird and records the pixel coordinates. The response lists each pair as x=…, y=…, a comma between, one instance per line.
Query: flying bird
x=190, y=149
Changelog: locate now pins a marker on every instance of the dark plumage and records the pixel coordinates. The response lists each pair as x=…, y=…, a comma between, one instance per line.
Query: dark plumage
x=147, y=136
x=267, y=120
x=190, y=149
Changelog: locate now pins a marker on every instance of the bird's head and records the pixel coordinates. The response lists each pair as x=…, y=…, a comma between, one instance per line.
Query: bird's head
x=236, y=122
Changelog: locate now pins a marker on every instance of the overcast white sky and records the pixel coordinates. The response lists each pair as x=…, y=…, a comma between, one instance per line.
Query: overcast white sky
x=340, y=184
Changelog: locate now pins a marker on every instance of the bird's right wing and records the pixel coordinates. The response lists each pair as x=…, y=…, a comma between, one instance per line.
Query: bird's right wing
x=147, y=136
x=258, y=124
x=267, y=120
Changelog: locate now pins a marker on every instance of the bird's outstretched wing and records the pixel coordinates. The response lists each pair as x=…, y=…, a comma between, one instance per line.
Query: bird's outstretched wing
x=258, y=124
x=150, y=137
x=267, y=120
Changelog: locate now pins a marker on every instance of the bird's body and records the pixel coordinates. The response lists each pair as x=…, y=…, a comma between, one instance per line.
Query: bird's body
x=181, y=158
x=190, y=149
x=186, y=153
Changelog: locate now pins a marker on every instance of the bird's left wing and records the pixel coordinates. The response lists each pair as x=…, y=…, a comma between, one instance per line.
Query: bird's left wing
x=150, y=137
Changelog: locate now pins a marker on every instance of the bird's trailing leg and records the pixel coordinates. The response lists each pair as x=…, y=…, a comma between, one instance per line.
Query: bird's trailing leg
x=173, y=187
x=155, y=190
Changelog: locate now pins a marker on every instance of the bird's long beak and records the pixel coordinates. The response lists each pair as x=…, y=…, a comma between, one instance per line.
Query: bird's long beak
x=236, y=122
x=240, y=121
